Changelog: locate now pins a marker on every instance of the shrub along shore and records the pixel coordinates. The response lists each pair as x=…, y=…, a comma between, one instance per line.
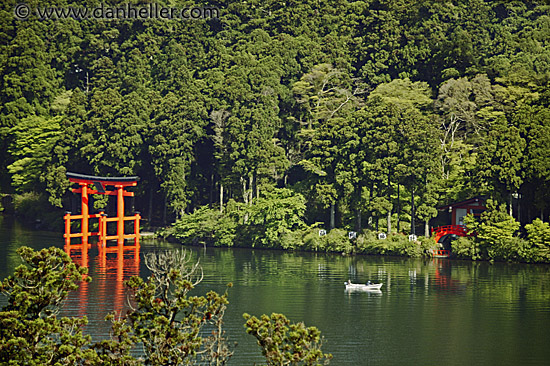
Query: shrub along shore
x=276, y=221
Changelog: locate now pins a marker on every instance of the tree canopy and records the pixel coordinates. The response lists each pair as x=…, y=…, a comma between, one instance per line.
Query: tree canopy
x=371, y=110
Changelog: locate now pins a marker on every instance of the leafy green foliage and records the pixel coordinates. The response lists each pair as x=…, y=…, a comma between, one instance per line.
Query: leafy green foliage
x=496, y=235
x=34, y=139
x=466, y=248
x=538, y=233
x=30, y=331
x=286, y=343
x=396, y=244
x=168, y=321
x=200, y=226
x=342, y=102
x=165, y=319
x=116, y=351
x=275, y=213
x=176, y=125
x=495, y=230
x=502, y=156
x=336, y=240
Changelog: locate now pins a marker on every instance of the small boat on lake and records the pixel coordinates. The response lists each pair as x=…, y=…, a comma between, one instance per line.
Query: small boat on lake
x=363, y=287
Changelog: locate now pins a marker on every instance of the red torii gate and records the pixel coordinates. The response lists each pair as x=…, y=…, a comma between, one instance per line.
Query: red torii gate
x=101, y=184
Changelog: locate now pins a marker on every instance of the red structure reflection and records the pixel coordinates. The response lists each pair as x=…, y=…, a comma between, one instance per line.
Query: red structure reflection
x=118, y=264
x=79, y=255
x=443, y=276
x=118, y=257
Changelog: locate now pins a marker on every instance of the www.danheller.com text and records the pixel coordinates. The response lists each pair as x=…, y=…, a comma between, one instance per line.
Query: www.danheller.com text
x=23, y=11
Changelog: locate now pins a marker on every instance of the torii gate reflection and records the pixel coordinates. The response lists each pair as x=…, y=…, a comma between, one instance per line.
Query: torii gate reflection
x=113, y=266
x=115, y=263
x=118, y=264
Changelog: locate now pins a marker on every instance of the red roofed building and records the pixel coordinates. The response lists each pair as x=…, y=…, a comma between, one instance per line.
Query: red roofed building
x=458, y=210
x=453, y=214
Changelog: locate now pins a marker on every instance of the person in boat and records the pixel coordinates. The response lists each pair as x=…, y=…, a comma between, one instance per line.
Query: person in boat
x=369, y=283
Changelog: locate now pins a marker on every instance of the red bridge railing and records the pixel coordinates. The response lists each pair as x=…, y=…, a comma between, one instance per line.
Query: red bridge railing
x=451, y=229
x=441, y=231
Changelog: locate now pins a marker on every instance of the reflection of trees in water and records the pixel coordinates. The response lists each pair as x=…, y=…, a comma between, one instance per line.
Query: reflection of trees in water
x=497, y=280
x=271, y=272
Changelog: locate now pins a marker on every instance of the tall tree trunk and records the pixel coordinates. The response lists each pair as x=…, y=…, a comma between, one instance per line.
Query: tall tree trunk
x=427, y=228
x=398, y=209
x=389, y=200
x=245, y=191
x=221, y=197
x=212, y=187
x=332, y=221
x=150, y=213
x=257, y=187
x=250, y=181
x=413, y=230
x=246, y=198
x=87, y=82
x=164, y=210
x=510, y=212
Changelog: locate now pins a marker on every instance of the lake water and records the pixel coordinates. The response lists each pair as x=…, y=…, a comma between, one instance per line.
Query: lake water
x=430, y=311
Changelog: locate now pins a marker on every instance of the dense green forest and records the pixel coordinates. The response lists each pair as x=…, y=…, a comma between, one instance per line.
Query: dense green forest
x=351, y=114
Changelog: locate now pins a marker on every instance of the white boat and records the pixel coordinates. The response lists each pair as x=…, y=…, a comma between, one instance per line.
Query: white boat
x=363, y=287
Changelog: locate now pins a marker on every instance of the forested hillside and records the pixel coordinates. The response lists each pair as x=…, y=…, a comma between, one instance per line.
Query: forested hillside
x=349, y=112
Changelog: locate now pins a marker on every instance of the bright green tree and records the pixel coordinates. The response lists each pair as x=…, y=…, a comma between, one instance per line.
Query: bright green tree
x=176, y=125
x=34, y=139
x=328, y=96
x=501, y=157
x=286, y=343
x=496, y=232
x=247, y=90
